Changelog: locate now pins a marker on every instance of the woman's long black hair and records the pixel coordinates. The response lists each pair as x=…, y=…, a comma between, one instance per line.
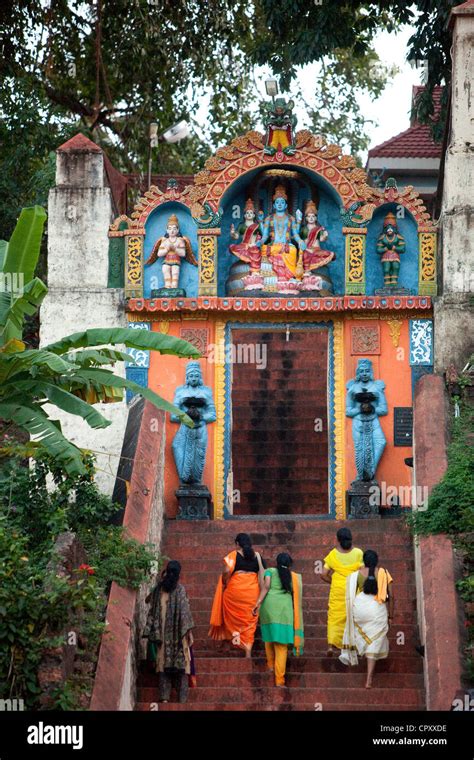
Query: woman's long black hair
x=344, y=536
x=284, y=563
x=170, y=577
x=371, y=561
x=243, y=540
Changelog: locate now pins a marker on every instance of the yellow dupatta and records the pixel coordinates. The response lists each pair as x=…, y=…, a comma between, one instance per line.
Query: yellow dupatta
x=298, y=627
x=383, y=580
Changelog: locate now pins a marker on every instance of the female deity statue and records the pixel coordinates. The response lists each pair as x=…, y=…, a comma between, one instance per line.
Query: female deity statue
x=390, y=244
x=314, y=257
x=247, y=250
x=279, y=229
x=365, y=403
x=173, y=247
x=190, y=444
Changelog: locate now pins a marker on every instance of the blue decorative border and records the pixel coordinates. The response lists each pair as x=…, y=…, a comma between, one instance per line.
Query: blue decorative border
x=327, y=325
x=421, y=353
x=136, y=369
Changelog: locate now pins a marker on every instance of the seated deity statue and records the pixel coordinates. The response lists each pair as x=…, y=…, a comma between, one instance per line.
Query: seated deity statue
x=280, y=232
x=173, y=248
x=247, y=250
x=314, y=257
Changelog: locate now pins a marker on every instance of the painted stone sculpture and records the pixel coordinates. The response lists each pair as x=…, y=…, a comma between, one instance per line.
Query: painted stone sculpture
x=190, y=444
x=365, y=403
x=173, y=248
x=315, y=258
x=247, y=250
x=280, y=126
x=390, y=245
x=280, y=232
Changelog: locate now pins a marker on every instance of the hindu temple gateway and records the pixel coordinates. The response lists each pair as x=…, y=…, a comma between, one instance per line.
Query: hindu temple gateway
x=311, y=296
x=303, y=287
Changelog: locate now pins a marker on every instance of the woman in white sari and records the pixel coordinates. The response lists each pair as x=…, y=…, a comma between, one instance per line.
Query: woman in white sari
x=369, y=608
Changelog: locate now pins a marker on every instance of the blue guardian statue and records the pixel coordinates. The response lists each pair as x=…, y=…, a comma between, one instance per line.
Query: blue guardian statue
x=190, y=444
x=365, y=403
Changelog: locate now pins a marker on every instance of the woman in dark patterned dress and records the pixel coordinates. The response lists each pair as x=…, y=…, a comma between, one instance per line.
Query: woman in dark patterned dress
x=169, y=632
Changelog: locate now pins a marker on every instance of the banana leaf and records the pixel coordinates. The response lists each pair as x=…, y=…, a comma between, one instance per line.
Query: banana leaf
x=145, y=339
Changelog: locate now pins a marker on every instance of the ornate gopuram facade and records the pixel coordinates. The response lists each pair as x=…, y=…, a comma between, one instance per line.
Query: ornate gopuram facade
x=286, y=270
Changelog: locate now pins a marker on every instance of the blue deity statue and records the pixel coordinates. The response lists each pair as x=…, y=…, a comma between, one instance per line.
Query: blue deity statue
x=365, y=403
x=280, y=231
x=190, y=444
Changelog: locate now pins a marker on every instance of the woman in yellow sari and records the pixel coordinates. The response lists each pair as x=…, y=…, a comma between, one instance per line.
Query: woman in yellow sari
x=236, y=596
x=338, y=565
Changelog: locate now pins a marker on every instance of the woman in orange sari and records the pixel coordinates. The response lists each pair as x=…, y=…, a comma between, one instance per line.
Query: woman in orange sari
x=236, y=595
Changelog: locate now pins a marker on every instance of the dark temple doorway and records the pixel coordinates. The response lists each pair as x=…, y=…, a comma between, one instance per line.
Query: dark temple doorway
x=280, y=422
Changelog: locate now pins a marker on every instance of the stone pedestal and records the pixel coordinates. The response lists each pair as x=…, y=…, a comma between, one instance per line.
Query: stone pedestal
x=194, y=502
x=388, y=291
x=168, y=293
x=363, y=500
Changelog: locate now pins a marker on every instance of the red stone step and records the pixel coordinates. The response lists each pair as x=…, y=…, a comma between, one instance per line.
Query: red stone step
x=397, y=662
x=324, y=696
x=227, y=681
x=282, y=707
x=148, y=692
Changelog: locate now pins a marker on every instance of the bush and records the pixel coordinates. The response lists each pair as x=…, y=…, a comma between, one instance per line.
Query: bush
x=36, y=605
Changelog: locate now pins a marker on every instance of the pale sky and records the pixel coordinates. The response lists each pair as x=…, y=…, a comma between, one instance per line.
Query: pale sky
x=390, y=111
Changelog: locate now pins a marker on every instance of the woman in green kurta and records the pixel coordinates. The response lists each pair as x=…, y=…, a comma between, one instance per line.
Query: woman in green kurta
x=281, y=615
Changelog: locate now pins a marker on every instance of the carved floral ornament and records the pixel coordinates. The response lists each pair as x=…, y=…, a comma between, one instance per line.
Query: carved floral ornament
x=246, y=153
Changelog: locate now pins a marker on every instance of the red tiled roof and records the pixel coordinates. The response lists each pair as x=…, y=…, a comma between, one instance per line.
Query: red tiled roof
x=414, y=142
x=79, y=144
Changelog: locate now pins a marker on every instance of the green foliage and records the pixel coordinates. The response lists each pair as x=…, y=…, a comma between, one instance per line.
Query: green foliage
x=450, y=505
x=54, y=82
x=59, y=374
x=36, y=604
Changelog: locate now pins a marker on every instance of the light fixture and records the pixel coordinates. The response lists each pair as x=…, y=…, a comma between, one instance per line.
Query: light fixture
x=177, y=132
x=153, y=134
x=271, y=86
x=174, y=134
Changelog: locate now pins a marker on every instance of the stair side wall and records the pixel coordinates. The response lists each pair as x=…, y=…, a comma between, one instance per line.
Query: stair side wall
x=122, y=648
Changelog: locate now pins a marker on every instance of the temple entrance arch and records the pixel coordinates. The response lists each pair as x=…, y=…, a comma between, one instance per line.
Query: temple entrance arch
x=280, y=435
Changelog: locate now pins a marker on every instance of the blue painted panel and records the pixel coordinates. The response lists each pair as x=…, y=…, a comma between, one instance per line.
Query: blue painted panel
x=408, y=277
x=421, y=341
x=138, y=358
x=418, y=371
x=137, y=375
x=156, y=227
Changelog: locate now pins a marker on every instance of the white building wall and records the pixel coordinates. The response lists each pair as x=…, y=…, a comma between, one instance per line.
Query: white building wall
x=79, y=214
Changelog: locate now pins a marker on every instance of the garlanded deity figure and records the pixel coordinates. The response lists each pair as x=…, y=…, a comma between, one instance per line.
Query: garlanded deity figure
x=247, y=250
x=365, y=403
x=314, y=257
x=390, y=244
x=190, y=444
x=173, y=247
x=280, y=228
x=280, y=124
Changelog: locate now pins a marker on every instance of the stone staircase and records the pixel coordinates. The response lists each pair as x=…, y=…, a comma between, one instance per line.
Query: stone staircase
x=275, y=470
x=227, y=681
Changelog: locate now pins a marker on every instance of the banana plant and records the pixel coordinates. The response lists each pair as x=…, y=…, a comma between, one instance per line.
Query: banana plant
x=71, y=374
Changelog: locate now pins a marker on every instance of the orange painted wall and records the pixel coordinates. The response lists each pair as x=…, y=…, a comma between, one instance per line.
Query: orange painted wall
x=393, y=367
x=165, y=374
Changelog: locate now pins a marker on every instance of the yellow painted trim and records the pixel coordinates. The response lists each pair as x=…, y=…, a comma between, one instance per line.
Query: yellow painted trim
x=339, y=421
x=219, y=427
